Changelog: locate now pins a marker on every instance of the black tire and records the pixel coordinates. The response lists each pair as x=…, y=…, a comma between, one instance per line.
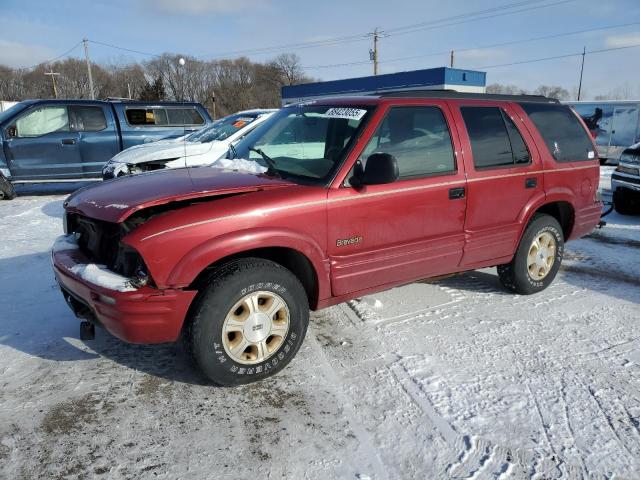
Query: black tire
x=626, y=202
x=515, y=275
x=223, y=289
x=6, y=189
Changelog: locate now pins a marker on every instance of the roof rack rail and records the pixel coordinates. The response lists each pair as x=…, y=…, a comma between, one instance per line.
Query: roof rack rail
x=465, y=95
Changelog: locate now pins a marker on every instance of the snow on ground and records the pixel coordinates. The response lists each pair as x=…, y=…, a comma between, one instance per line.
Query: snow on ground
x=454, y=378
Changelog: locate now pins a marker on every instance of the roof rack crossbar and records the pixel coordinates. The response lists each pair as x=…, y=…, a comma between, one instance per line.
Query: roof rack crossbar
x=464, y=95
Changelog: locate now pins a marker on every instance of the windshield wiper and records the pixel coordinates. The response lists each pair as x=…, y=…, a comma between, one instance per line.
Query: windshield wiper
x=270, y=162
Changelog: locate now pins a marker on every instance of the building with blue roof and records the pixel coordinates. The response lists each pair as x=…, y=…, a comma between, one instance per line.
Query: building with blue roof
x=442, y=78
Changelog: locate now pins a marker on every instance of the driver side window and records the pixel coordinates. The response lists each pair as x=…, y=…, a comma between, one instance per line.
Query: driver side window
x=43, y=120
x=419, y=139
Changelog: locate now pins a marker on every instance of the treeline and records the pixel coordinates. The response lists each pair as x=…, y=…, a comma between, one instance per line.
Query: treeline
x=236, y=84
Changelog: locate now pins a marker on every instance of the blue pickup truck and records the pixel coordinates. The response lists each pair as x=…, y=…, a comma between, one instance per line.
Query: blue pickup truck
x=44, y=140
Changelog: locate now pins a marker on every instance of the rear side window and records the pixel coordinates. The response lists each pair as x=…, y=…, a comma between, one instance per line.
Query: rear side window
x=495, y=140
x=561, y=130
x=88, y=119
x=419, y=139
x=163, y=117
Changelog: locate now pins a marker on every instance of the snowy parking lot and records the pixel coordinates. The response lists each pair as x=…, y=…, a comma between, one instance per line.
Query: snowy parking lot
x=454, y=378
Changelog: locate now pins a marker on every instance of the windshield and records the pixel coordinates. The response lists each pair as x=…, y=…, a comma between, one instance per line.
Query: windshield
x=223, y=128
x=8, y=113
x=304, y=141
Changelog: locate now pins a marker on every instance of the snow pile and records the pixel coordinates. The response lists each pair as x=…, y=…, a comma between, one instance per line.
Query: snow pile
x=250, y=166
x=103, y=277
x=65, y=242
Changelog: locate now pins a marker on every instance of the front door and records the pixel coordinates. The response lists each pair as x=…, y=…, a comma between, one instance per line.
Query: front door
x=411, y=228
x=40, y=144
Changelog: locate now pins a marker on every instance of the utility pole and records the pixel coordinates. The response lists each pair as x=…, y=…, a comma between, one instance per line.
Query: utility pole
x=451, y=64
x=53, y=76
x=584, y=51
x=86, y=57
x=373, y=54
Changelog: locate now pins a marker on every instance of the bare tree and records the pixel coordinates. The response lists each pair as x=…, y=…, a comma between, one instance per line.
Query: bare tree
x=505, y=89
x=236, y=84
x=552, y=91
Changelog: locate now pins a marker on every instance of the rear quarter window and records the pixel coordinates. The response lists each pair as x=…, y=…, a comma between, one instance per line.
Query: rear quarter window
x=164, y=117
x=561, y=131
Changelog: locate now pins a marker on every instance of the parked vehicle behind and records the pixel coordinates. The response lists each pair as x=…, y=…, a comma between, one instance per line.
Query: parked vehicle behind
x=357, y=195
x=625, y=182
x=614, y=125
x=196, y=149
x=45, y=140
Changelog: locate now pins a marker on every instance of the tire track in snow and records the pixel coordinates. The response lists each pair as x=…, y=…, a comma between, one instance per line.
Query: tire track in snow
x=369, y=449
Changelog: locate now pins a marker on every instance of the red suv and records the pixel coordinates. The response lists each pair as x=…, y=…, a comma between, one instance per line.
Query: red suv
x=327, y=201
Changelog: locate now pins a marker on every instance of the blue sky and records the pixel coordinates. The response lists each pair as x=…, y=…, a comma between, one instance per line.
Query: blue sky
x=36, y=30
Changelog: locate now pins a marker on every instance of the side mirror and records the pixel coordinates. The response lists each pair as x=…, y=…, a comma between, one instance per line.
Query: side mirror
x=12, y=131
x=380, y=168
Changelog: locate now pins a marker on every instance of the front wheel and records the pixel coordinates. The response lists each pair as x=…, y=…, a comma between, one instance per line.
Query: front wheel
x=626, y=202
x=6, y=189
x=248, y=322
x=537, y=259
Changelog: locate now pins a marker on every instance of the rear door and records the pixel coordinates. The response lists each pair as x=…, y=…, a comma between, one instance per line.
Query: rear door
x=411, y=228
x=98, y=137
x=42, y=145
x=504, y=175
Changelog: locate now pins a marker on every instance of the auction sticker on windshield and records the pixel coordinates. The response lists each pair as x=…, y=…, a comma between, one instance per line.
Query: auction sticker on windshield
x=344, y=112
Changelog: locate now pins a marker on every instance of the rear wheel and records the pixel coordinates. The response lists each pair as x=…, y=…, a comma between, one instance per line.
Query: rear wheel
x=248, y=322
x=6, y=189
x=626, y=202
x=537, y=259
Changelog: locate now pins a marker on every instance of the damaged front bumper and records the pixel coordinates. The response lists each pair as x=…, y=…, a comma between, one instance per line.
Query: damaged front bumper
x=136, y=315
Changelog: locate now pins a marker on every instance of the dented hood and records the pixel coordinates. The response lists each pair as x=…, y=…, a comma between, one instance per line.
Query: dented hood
x=115, y=200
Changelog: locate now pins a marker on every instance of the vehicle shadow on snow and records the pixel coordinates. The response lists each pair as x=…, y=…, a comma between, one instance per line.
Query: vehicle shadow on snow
x=37, y=321
x=53, y=209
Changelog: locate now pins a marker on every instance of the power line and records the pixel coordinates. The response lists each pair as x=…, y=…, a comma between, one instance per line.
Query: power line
x=51, y=60
x=438, y=23
x=493, y=45
x=555, y=57
x=125, y=49
x=365, y=36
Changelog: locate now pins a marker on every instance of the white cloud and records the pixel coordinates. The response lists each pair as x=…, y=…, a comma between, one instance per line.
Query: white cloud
x=624, y=40
x=14, y=54
x=202, y=7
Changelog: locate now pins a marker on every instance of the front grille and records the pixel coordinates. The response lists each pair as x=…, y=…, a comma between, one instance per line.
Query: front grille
x=100, y=242
x=635, y=181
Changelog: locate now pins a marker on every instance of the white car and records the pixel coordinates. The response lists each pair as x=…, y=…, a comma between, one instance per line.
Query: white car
x=203, y=147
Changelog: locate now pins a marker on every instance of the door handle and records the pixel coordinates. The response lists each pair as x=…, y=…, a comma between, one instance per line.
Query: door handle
x=531, y=183
x=455, y=193
x=68, y=141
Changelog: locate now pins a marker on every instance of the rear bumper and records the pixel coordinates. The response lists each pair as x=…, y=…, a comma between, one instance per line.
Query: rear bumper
x=145, y=315
x=587, y=219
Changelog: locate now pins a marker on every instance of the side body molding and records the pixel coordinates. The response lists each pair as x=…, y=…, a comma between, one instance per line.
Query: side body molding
x=207, y=253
